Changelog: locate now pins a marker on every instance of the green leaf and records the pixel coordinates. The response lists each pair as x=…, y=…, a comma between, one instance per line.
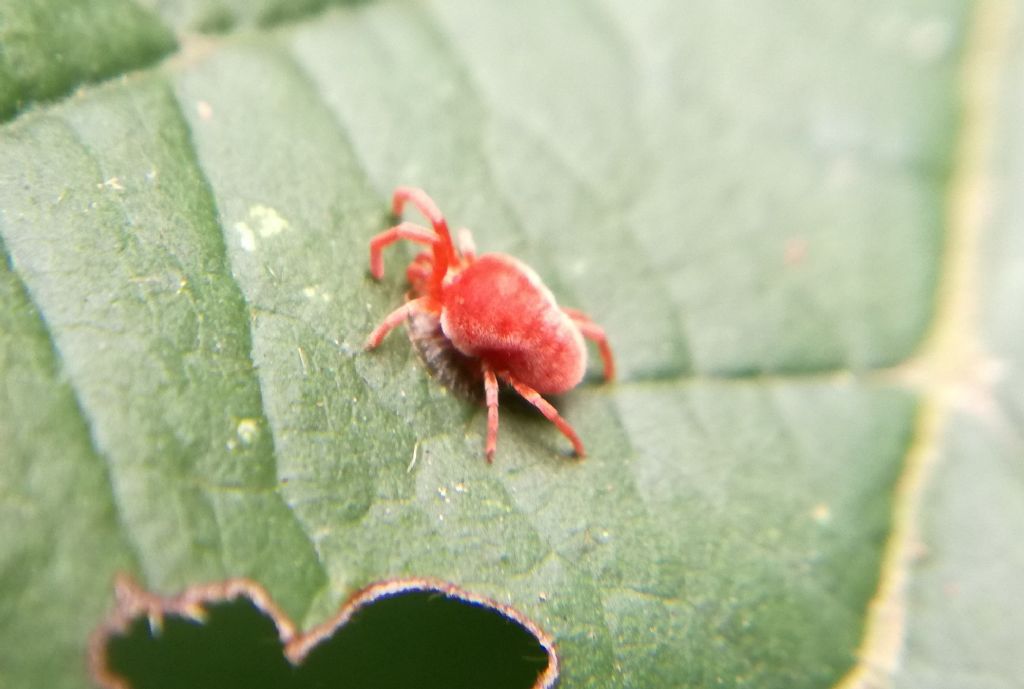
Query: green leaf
x=759, y=204
x=48, y=47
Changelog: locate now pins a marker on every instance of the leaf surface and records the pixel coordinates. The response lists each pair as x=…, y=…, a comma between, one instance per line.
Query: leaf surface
x=760, y=223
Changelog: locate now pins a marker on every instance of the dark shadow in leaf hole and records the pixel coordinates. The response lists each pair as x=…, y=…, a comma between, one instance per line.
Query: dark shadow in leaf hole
x=424, y=639
x=386, y=637
x=237, y=646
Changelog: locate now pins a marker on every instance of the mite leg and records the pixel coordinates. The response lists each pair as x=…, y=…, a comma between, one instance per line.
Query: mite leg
x=592, y=331
x=405, y=230
x=491, y=392
x=534, y=398
x=429, y=209
x=398, y=316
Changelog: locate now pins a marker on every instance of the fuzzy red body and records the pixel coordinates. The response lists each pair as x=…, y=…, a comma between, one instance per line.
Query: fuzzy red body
x=493, y=310
x=496, y=309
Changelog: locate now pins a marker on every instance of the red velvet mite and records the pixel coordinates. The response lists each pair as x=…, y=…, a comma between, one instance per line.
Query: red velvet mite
x=494, y=311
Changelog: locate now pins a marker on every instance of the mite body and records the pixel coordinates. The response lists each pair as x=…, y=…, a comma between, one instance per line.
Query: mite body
x=494, y=311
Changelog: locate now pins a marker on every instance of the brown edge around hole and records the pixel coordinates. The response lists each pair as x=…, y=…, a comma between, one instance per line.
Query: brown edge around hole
x=133, y=602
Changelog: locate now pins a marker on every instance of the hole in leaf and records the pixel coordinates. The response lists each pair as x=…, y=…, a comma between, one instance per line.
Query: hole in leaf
x=405, y=633
x=424, y=639
x=236, y=646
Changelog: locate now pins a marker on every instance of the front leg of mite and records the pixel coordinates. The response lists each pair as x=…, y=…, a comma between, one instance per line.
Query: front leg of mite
x=405, y=230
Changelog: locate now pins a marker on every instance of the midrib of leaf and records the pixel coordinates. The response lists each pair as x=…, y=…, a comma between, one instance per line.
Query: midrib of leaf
x=952, y=369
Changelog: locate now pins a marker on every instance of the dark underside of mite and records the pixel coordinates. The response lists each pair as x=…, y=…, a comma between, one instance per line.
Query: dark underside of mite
x=459, y=373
